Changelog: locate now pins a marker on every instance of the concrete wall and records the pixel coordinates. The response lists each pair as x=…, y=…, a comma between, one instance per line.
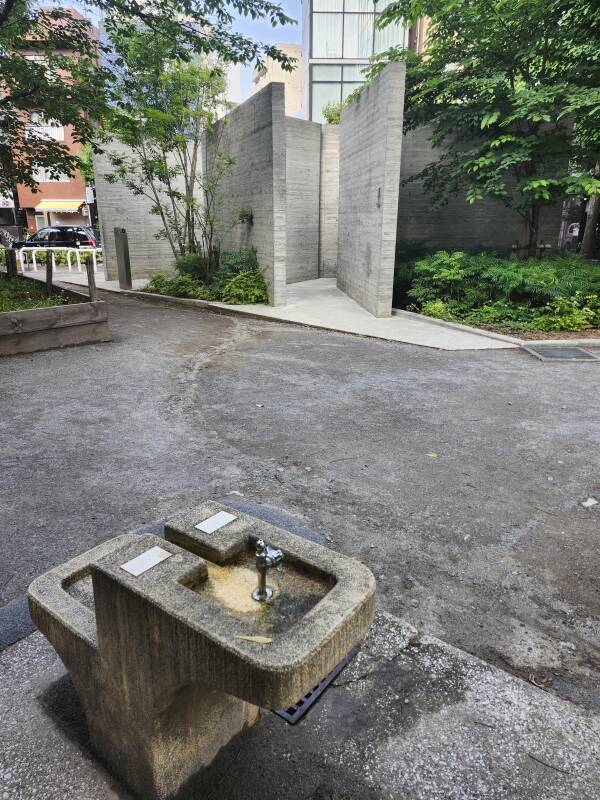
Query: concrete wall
x=328, y=200
x=302, y=169
x=119, y=207
x=370, y=152
x=254, y=133
x=487, y=224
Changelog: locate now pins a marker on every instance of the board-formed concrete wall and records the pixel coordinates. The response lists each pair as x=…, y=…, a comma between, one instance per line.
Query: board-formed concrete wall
x=254, y=134
x=370, y=152
x=329, y=200
x=302, y=167
x=487, y=224
x=118, y=207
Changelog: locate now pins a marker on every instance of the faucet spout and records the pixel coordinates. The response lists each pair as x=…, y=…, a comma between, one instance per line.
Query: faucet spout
x=266, y=558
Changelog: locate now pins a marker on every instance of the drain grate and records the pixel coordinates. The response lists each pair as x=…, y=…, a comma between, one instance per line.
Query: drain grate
x=561, y=353
x=295, y=712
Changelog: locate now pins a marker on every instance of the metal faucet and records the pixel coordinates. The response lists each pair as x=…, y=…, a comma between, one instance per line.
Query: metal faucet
x=266, y=557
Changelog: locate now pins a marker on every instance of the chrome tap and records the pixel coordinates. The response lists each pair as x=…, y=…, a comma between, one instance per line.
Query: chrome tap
x=266, y=557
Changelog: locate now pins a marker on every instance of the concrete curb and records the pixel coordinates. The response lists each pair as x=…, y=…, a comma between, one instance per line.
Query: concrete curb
x=455, y=326
x=397, y=312
x=458, y=326
x=561, y=342
x=235, y=311
x=208, y=305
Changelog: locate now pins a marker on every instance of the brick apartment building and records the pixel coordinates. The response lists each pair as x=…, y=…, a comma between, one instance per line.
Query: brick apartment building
x=57, y=202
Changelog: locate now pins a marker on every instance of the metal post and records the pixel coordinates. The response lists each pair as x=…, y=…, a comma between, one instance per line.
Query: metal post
x=123, y=262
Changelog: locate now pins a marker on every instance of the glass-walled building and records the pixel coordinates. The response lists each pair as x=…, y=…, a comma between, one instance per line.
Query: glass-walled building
x=338, y=38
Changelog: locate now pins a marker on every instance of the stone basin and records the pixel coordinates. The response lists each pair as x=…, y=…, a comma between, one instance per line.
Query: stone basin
x=296, y=591
x=173, y=661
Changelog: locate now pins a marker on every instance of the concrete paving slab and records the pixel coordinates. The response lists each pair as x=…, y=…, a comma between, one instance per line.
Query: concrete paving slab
x=410, y=718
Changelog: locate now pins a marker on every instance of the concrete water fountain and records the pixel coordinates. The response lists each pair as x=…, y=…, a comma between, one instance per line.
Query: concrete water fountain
x=174, y=645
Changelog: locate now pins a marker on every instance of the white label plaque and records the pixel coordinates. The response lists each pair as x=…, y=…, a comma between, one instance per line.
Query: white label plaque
x=145, y=561
x=215, y=522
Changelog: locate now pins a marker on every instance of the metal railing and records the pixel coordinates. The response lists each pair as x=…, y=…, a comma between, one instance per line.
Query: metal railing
x=25, y=252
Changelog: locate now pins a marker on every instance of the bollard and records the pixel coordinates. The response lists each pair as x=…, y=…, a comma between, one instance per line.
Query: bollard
x=11, y=264
x=123, y=262
x=49, y=266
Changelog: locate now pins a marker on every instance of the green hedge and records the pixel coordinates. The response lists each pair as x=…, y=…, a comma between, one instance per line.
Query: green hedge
x=551, y=294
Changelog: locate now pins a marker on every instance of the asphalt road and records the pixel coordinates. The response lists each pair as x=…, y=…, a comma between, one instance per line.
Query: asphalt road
x=458, y=477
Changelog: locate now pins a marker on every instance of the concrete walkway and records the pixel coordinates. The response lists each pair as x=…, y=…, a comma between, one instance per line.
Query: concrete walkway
x=80, y=279
x=320, y=304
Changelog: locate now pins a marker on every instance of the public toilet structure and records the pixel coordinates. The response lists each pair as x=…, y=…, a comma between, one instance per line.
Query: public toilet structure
x=175, y=644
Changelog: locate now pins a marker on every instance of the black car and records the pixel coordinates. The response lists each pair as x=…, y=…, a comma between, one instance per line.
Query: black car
x=61, y=236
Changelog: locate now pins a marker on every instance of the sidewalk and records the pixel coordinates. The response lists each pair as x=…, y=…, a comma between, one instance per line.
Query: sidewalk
x=76, y=278
x=410, y=718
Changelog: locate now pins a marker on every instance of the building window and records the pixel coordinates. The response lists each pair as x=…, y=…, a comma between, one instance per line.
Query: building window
x=358, y=35
x=44, y=129
x=344, y=29
x=43, y=175
x=327, y=34
x=390, y=36
x=332, y=83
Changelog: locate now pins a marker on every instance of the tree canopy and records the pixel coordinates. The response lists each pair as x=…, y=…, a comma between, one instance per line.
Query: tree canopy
x=50, y=64
x=511, y=92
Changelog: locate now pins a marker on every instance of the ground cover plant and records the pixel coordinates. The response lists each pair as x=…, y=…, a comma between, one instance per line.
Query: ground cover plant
x=20, y=294
x=553, y=294
x=237, y=280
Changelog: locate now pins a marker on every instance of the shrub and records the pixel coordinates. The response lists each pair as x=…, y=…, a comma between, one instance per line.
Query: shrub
x=237, y=280
x=245, y=287
x=547, y=294
x=332, y=112
x=437, y=309
x=193, y=264
x=179, y=286
x=243, y=260
x=565, y=314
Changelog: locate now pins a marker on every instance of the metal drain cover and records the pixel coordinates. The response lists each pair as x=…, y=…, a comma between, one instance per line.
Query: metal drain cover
x=561, y=353
x=294, y=713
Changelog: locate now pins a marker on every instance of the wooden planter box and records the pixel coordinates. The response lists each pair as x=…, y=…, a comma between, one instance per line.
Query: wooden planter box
x=57, y=326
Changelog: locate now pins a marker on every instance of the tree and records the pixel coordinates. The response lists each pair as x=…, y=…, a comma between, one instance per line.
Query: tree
x=49, y=64
x=511, y=91
x=162, y=109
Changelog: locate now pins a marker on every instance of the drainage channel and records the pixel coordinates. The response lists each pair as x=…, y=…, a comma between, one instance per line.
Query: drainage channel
x=295, y=712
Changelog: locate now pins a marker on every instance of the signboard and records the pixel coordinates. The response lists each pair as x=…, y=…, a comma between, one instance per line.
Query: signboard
x=6, y=201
